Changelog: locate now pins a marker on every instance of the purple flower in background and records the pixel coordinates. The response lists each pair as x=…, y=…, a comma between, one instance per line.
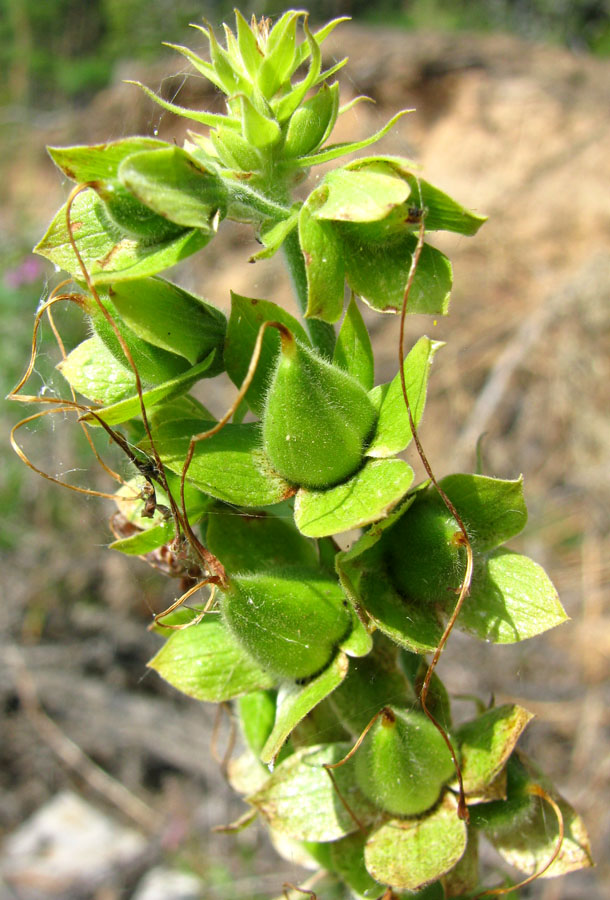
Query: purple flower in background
x=28, y=271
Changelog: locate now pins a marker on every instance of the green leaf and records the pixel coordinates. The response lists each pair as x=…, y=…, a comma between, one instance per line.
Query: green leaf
x=107, y=252
x=336, y=150
x=97, y=162
x=206, y=662
x=278, y=63
x=247, y=316
x=203, y=67
x=323, y=255
x=99, y=166
x=406, y=623
x=249, y=50
x=257, y=715
x=258, y=129
x=353, y=350
x=225, y=68
x=129, y=408
x=169, y=317
x=156, y=532
x=364, y=560
x=295, y=701
x=368, y=495
x=144, y=542
x=229, y=465
x=441, y=211
x=363, y=550
x=92, y=370
x=493, y=509
x=529, y=840
x=511, y=599
x=275, y=236
x=393, y=433
x=213, y=120
x=304, y=49
x=463, y=879
x=487, y=742
x=154, y=364
x=378, y=272
x=285, y=106
x=408, y=854
x=318, y=815
x=257, y=542
x=347, y=856
x=184, y=407
x=359, y=641
x=365, y=195
x=175, y=186
x=235, y=151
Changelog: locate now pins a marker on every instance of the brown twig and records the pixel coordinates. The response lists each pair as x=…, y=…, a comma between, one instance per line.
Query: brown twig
x=71, y=754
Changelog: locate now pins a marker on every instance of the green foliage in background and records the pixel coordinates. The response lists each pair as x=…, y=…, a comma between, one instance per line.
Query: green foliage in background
x=582, y=25
x=53, y=51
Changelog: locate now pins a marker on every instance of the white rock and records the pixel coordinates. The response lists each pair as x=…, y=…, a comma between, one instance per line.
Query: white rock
x=66, y=846
x=167, y=884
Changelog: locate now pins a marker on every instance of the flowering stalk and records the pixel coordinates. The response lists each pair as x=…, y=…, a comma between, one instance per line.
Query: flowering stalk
x=351, y=750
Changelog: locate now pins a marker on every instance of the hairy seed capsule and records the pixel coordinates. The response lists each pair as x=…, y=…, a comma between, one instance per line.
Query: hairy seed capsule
x=403, y=763
x=290, y=621
x=425, y=552
x=154, y=364
x=317, y=418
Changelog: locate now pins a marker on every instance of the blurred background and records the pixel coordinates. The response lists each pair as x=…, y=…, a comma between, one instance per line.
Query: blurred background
x=511, y=118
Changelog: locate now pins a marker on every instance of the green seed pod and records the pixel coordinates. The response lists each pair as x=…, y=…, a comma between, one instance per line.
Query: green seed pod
x=317, y=418
x=312, y=121
x=425, y=552
x=171, y=318
x=133, y=217
x=235, y=151
x=403, y=763
x=514, y=813
x=290, y=621
x=155, y=364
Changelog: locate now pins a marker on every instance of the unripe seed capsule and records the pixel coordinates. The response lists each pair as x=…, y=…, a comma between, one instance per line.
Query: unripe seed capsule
x=403, y=763
x=317, y=418
x=155, y=365
x=425, y=552
x=290, y=621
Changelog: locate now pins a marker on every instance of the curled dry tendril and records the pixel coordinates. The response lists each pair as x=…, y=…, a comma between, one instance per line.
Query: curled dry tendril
x=537, y=791
x=58, y=404
x=288, y=886
x=151, y=469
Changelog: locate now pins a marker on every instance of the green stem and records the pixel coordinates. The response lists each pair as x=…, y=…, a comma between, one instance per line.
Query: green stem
x=322, y=333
